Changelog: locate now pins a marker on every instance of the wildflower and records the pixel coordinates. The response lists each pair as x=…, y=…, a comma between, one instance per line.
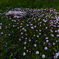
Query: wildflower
x=29, y=51
x=19, y=39
x=26, y=34
x=1, y=32
x=20, y=26
x=52, y=35
x=46, y=37
x=21, y=33
x=47, y=40
x=17, y=27
x=55, y=30
x=32, y=27
x=29, y=40
x=37, y=52
x=24, y=53
x=51, y=31
x=26, y=50
x=43, y=56
x=21, y=36
x=37, y=36
x=27, y=25
x=0, y=27
x=35, y=26
x=9, y=24
x=21, y=23
x=24, y=42
x=39, y=30
x=36, y=30
x=57, y=54
x=35, y=45
x=14, y=25
x=14, y=58
x=45, y=48
x=46, y=27
x=40, y=25
x=53, y=43
x=58, y=30
x=58, y=35
x=26, y=38
x=25, y=30
x=24, y=47
x=0, y=23
x=9, y=34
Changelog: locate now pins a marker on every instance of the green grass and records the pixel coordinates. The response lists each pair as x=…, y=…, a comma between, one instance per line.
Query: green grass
x=11, y=44
x=31, y=3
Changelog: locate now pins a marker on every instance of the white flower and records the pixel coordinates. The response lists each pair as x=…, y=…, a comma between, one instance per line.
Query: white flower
x=19, y=39
x=0, y=27
x=52, y=35
x=27, y=25
x=35, y=45
x=57, y=35
x=37, y=36
x=26, y=38
x=47, y=41
x=24, y=47
x=57, y=54
x=45, y=48
x=21, y=33
x=37, y=52
x=35, y=26
x=1, y=32
x=32, y=27
x=26, y=50
x=24, y=53
x=14, y=25
x=9, y=34
x=24, y=42
x=43, y=56
x=29, y=40
x=53, y=43
x=46, y=37
x=0, y=23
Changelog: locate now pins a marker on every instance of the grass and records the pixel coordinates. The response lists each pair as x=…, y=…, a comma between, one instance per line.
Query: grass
x=30, y=3
x=18, y=37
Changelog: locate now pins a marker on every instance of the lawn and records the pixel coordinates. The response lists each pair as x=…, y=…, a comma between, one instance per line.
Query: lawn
x=36, y=37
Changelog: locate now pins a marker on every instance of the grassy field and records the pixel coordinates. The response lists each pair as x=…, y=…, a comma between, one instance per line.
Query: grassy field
x=36, y=37
x=31, y=3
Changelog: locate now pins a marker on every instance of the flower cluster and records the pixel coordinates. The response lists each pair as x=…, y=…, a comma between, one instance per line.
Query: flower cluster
x=36, y=35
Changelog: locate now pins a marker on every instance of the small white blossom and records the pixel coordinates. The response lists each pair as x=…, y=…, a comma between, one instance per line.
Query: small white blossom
x=24, y=53
x=43, y=56
x=35, y=45
x=37, y=52
x=45, y=48
x=24, y=42
x=1, y=32
x=24, y=47
x=19, y=39
x=46, y=37
x=57, y=54
x=26, y=50
x=29, y=40
x=47, y=41
x=0, y=27
x=0, y=23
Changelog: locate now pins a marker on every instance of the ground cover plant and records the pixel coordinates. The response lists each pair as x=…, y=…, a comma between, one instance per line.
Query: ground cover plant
x=36, y=37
